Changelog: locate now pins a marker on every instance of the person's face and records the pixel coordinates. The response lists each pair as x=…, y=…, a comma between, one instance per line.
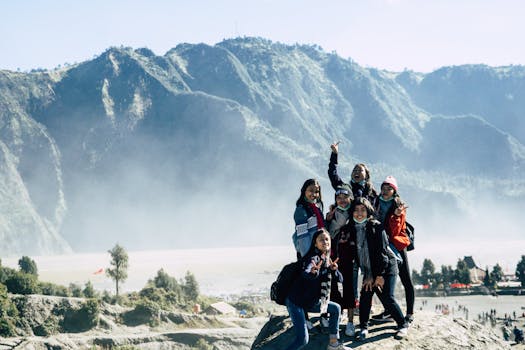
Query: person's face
x=312, y=192
x=322, y=242
x=359, y=173
x=360, y=212
x=387, y=191
x=342, y=200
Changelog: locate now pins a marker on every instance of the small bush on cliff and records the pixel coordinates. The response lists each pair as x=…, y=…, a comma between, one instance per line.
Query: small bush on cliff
x=83, y=319
x=8, y=314
x=50, y=326
x=48, y=288
x=22, y=283
x=202, y=344
x=146, y=311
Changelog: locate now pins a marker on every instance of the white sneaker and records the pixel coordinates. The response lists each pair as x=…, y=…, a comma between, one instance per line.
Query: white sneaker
x=309, y=325
x=402, y=333
x=363, y=334
x=324, y=322
x=350, y=329
x=338, y=346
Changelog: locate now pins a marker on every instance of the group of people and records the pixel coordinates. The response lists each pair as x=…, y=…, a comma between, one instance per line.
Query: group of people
x=363, y=230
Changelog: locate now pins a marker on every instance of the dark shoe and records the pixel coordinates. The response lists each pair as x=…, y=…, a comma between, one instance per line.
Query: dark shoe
x=382, y=317
x=409, y=318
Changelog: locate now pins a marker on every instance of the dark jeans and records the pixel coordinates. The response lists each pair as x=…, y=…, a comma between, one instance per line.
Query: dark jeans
x=406, y=280
x=299, y=322
x=347, y=300
x=387, y=299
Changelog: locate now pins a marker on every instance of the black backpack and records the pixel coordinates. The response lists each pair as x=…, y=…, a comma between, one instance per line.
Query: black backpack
x=410, y=234
x=281, y=287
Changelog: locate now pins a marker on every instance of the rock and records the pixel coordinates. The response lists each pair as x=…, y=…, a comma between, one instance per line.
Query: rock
x=429, y=331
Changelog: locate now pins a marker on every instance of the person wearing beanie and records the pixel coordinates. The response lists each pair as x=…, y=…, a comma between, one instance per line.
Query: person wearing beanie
x=391, y=212
x=336, y=218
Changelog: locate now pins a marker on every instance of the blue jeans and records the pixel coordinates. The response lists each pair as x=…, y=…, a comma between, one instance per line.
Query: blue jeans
x=387, y=299
x=299, y=322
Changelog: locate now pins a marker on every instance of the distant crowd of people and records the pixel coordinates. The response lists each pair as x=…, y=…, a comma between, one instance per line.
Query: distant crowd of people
x=362, y=231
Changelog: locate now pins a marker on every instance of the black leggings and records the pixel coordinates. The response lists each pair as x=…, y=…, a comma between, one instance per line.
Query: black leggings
x=406, y=280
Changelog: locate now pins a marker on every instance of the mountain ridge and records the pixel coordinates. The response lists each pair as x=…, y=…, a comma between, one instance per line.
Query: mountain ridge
x=138, y=143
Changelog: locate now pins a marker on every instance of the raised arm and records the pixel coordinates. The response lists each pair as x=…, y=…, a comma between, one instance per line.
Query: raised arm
x=335, y=180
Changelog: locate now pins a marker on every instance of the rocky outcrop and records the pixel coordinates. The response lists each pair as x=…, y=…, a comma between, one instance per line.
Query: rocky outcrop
x=429, y=331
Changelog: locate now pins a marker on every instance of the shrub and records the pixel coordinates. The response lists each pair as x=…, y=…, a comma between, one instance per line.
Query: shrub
x=146, y=311
x=49, y=327
x=89, y=291
x=75, y=290
x=48, y=288
x=28, y=265
x=82, y=319
x=7, y=328
x=202, y=344
x=22, y=283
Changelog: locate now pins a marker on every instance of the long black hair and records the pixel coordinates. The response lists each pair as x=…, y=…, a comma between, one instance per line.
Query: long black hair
x=302, y=200
x=313, y=249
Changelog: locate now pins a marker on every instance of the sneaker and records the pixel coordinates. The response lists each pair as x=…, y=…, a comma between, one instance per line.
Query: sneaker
x=338, y=346
x=324, y=322
x=350, y=329
x=309, y=325
x=382, y=317
x=409, y=318
x=402, y=333
x=363, y=334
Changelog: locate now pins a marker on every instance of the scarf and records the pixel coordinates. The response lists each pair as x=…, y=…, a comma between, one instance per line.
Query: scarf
x=384, y=206
x=326, y=278
x=317, y=212
x=339, y=220
x=325, y=287
x=362, y=250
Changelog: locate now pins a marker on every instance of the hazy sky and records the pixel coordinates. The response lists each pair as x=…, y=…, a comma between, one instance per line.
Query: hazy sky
x=421, y=35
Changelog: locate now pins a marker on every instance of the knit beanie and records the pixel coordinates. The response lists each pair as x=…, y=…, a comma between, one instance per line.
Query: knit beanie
x=391, y=181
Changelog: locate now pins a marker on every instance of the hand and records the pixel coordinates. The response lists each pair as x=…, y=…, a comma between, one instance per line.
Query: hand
x=368, y=284
x=316, y=267
x=335, y=147
x=399, y=210
x=379, y=283
x=333, y=264
x=331, y=213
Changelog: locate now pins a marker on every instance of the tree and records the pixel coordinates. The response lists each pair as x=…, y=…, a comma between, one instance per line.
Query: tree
x=462, y=273
x=487, y=281
x=89, y=291
x=427, y=271
x=165, y=281
x=119, y=262
x=520, y=271
x=416, y=277
x=447, y=274
x=497, y=274
x=191, y=287
x=28, y=265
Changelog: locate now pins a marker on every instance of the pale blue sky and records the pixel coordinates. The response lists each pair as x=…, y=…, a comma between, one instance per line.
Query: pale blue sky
x=421, y=35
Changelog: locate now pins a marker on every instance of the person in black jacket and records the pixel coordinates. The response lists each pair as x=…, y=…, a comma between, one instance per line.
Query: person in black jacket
x=378, y=265
x=311, y=292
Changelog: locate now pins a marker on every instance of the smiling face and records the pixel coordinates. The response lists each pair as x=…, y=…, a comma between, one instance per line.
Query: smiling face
x=360, y=213
x=359, y=173
x=312, y=192
x=387, y=191
x=322, y=242
x=342, y=200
